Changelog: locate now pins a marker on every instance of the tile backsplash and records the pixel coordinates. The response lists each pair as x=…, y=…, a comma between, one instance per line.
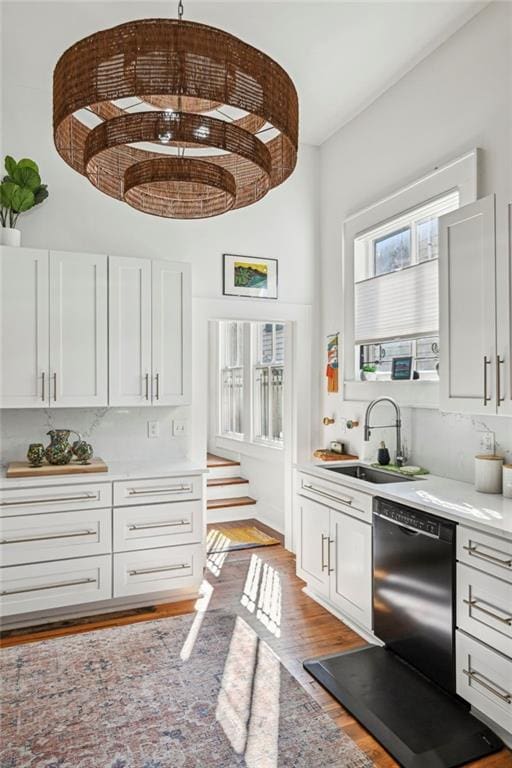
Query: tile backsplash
x=115, y=433
x=443, y=443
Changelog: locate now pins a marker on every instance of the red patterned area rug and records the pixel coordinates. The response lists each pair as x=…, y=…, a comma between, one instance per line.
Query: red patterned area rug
x=194, y=691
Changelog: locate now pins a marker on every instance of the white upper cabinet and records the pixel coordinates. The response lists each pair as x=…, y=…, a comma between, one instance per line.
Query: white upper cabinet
x=130, y=331
x=78, y=330
x=468, y=368
x=171, y=323
x=150, y=332
x=24, y=376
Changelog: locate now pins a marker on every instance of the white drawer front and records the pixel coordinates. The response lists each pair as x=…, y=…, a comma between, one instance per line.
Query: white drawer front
x=26, y=588
x=157, y=525
x=342, y=498
x=157, y=490
x=484, y=608
x=484, y=678
x=55, y=498
x=54, y=536
x=488, y=553
x=154, y=570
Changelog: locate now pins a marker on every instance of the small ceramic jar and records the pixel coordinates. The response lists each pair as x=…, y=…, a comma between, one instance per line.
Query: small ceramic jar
x=35, y=454
x=507, y=481
x=488, y=473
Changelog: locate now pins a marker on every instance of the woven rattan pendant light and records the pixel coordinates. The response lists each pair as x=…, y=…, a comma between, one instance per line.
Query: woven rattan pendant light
x=175, y=118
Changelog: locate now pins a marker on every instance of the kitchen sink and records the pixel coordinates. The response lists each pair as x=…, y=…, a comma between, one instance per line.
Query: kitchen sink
x=362, y=472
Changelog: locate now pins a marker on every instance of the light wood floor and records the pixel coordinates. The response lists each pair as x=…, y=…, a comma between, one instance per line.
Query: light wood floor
x=305, y=630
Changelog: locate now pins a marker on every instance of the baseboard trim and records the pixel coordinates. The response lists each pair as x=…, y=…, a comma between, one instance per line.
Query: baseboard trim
x=361, y=631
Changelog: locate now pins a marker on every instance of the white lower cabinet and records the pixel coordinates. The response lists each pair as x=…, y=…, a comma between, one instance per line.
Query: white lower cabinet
x=334, y=554
x=75, y=543
x=484, y=678
x=153, y=570
x=27, y=588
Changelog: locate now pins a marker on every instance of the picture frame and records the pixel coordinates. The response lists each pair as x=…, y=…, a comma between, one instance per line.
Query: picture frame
x=401, y=368
x=249, y=276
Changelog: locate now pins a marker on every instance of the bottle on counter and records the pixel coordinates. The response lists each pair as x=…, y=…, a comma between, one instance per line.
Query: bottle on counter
x=383, y=456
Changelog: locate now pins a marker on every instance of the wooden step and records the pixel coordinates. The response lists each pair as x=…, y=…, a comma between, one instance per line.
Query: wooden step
x=215, y=481
x=213, y=461
x=236, y=501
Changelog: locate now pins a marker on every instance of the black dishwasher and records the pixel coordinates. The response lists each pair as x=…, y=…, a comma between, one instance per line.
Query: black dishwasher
x=414, y=588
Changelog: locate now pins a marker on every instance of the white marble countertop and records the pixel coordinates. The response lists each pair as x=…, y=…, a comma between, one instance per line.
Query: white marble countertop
x=447, y=498
x=117, y=470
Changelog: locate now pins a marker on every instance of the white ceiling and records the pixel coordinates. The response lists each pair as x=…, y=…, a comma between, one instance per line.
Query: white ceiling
x=341, y=55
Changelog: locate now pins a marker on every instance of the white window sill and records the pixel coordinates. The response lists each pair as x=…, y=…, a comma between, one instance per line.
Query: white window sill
x=256, y=450
x=408, y=394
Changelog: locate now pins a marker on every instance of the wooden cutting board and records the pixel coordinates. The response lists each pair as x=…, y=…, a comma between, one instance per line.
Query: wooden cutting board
x=331, y=456
x=23, y=468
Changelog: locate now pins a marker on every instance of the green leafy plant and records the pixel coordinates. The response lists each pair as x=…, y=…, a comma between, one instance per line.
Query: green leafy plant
x=20, y=190
x=369, y=368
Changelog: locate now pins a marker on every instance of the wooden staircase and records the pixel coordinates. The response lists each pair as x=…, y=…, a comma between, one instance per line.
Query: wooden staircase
x=224, y=486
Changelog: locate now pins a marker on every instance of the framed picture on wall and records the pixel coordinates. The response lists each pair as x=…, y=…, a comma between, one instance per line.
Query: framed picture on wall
x=249, y=276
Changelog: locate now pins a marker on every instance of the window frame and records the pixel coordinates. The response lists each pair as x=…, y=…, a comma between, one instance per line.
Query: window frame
x=458, y=175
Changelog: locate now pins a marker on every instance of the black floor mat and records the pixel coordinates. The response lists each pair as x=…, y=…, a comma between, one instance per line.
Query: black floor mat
x=417, y=722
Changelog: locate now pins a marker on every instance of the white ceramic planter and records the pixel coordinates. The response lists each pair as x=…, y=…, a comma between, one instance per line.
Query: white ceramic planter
x=10, y=236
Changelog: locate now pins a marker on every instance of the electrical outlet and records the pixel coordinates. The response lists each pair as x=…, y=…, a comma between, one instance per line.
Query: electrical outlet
x=179, y=427
x=487, y=442
x=153, y=428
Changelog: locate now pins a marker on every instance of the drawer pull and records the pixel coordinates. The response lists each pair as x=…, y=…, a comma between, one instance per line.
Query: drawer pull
x=147, y=526
x=472, y=550
x=473, y=603
x=489, y=685
x=57, y=584
x=169, y=489
x=142, y=571
x=49, y=536
x=344, y=499
x=50, y=500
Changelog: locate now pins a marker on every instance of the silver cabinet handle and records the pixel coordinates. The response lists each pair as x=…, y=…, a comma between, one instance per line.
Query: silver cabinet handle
x=55, y=585
x=148, y=526
x=42, y=385
x=486, y=363
x=142, y=571
x=48, y=537
x=50, y=500
x=477, y=677
x=472, y=550
x=473, y=604
x=499, y=361
x=344, y=499
x=146, y=377
x=157, y=386
x=329, y=569
x=324, y=539
x=152, y=491
x=55, y=387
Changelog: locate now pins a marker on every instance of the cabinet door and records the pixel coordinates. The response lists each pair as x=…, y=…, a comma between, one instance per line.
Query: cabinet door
x=24, y=328
x=351, y=567
x=78, y=330
x=313, y=544
x=467, y=307
x=504, y=308
x=171, y=317
x=129, y=331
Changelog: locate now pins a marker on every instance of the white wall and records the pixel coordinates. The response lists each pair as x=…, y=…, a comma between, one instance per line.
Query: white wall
x=78, y=217
x=457, y=98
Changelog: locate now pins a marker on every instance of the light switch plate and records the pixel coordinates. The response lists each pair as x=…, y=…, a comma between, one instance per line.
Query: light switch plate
x=153, y=428
x=179, y=427
x=487, y=442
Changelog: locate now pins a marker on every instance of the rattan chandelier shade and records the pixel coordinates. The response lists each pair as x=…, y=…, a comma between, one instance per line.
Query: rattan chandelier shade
x=216, y=128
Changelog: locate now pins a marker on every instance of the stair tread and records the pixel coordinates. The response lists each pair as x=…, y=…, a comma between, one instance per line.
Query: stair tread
x=236, y=501
x=213, y=461
x=215, y=481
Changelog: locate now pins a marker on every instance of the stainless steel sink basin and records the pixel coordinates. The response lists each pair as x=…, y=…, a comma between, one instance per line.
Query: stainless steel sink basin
x=362, y=472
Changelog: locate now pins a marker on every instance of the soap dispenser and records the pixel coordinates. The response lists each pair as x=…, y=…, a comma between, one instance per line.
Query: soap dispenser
x=383, y=454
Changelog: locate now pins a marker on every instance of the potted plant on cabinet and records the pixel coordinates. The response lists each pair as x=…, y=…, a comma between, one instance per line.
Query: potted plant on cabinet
x=369, y=372
x=20, y=190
